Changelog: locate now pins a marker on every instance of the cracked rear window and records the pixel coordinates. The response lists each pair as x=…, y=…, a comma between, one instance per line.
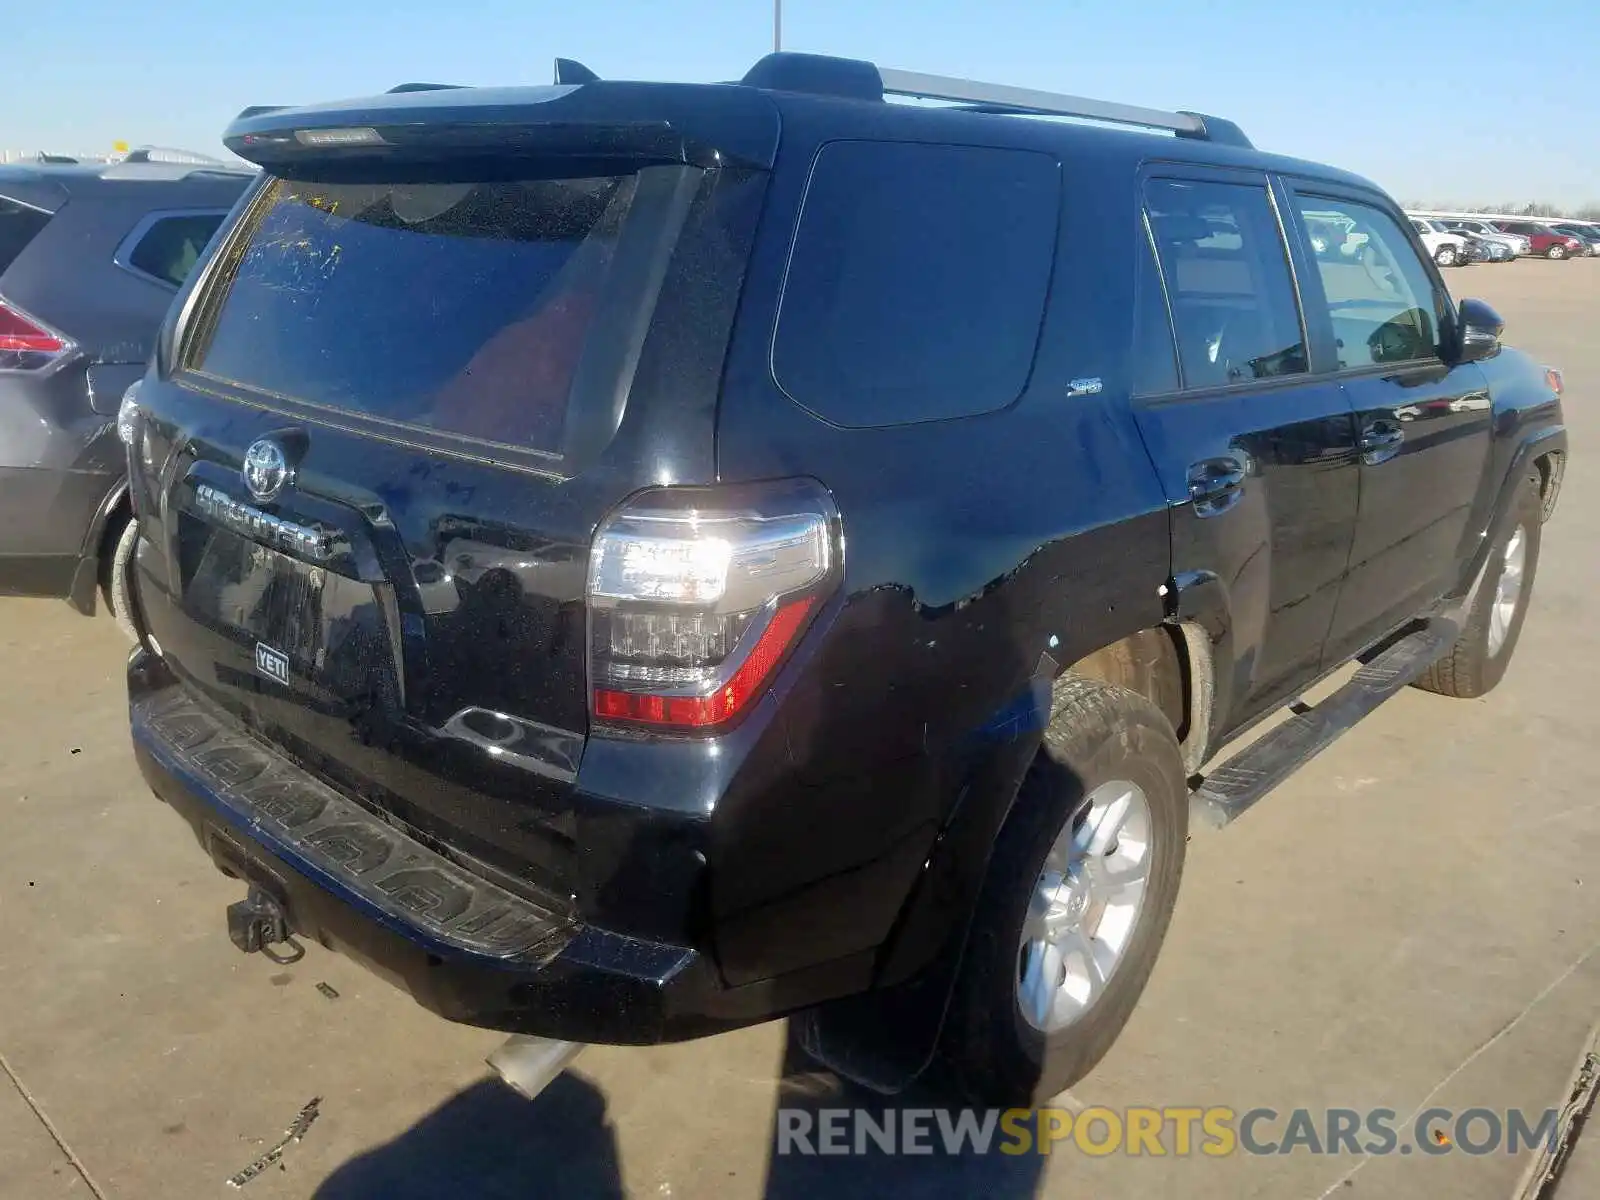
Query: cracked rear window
x=455, y=307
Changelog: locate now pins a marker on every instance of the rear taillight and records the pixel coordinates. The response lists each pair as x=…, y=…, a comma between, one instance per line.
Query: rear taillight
x=697, y=595
x=26, y=344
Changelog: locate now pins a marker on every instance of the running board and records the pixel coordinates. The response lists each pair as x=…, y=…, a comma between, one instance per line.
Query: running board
x=1248, y=776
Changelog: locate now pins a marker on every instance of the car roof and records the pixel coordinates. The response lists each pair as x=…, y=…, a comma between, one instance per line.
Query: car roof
x=48, y=185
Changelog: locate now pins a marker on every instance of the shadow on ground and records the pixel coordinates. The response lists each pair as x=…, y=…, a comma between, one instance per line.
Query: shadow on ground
x=488, y=1143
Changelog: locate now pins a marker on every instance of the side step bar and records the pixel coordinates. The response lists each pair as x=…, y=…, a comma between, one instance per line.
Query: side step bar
x=1248, y=776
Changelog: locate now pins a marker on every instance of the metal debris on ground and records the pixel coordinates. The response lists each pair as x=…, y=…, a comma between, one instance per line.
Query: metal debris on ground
x=297, y=1130
x=328, y=990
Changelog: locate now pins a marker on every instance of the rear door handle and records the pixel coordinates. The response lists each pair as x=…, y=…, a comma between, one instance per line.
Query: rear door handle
x=1216, y=484
x=1380, y=441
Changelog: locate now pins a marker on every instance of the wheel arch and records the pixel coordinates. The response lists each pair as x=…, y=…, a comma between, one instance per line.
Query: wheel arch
x=1172, y=665
x=98, y=542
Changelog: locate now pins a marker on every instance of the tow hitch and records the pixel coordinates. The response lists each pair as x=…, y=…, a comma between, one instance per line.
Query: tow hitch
x=257, y=922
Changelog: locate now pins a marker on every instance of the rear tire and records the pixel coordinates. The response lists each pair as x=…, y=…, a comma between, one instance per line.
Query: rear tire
x=119, y=594
x=1102, y=740
x=1478, y=660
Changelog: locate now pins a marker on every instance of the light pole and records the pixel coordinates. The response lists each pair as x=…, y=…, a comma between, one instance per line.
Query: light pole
x=777, y=25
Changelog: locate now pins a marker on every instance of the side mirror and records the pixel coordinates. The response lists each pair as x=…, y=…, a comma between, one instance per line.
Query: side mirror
x=1478, y=330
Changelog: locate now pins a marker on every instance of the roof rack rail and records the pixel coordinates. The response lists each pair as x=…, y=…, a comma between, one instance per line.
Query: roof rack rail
x=855, y=79
x=423, y=87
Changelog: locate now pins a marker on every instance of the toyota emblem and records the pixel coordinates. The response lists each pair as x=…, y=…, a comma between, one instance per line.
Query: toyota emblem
x=266, y=470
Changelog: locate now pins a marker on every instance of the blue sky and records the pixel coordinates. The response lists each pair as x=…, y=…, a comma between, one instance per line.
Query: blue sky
x=1435, y=99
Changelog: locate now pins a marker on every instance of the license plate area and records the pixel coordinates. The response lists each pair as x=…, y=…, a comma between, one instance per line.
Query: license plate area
x=295, y=623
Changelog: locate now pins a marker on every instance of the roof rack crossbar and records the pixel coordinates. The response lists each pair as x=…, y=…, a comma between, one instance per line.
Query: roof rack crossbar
x=999, y=97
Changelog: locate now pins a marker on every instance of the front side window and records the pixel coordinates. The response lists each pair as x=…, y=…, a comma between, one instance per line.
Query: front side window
x=917, y=281
x=1379, y=297
x=1233, y=305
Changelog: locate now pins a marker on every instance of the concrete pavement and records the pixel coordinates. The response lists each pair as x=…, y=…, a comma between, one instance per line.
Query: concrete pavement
x=1413, y=921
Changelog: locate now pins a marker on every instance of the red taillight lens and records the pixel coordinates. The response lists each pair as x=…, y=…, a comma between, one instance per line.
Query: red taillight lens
x=25, y=344
x=697, y=595
x=746, y=682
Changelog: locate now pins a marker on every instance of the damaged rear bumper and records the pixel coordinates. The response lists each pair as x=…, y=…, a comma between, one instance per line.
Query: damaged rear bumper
x=462, y=945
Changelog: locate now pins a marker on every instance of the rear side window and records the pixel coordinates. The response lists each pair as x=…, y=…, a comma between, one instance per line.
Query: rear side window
x=19, y=225
x=1155, y=365
x=1380, y=300
x=917, y=281
x=1233, y=305
x=457, y=307
x=167, y=247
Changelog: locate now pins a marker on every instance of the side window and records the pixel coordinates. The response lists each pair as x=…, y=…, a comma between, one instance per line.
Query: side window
x=19, y=225
x=917, y=281
x=1155, y=363
x=169, y=246
x=1380, y=298
x=1227, y=274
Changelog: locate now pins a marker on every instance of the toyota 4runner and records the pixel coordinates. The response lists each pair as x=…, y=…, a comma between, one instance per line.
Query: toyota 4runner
x=630, y=560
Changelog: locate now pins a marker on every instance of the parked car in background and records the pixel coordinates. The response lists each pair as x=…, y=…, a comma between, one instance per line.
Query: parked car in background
x=1474, y=250
x=1589, y=235
x=1477, y=249
x=1546, y=242
x=1515, y=242
x=1448, y=249
x=91, y=256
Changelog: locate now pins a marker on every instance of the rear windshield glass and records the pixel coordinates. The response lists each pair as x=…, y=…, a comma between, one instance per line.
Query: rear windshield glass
x=18, y=226
x=456, y=307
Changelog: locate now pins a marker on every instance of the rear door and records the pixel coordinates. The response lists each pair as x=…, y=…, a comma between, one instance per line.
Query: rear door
x=1256, y=454
x=1423, y=425
x=401, y=401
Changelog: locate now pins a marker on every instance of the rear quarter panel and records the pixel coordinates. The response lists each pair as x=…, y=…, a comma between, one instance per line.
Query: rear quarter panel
x=981, y=555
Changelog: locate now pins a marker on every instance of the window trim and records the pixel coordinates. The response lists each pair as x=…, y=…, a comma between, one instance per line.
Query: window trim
x=1311, y=188
x=124, y=253
x=1191, y=172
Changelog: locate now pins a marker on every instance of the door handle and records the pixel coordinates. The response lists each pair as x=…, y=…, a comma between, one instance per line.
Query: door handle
x=1380, y=441
x=1216, y=484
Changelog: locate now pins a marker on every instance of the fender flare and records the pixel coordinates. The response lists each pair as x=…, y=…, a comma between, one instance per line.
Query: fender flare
x=86, y=578
x=1549, y=439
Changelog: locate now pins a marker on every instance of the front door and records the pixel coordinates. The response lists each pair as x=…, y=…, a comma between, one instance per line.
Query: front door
x=1423, y=425
x=1256, y=455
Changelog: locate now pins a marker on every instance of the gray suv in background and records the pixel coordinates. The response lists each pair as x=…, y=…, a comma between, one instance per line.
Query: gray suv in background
x=90, y=259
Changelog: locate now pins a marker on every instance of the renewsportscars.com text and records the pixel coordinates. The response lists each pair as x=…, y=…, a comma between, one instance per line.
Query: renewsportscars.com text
x=1179, y=1131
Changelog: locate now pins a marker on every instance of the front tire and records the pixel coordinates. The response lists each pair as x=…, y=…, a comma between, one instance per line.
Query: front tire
x=1080, y=889
x=1478, y=660
x=1555, y=253
x=1445, y=256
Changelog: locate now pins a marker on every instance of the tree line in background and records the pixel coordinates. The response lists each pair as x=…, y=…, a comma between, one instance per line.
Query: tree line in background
x=1589, y=212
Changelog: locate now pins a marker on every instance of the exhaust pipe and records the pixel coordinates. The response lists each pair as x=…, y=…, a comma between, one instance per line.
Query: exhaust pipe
x=528, y=1064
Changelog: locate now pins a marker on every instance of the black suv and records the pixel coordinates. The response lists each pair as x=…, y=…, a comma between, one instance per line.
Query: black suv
x=90, y=258
x=630, y=560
